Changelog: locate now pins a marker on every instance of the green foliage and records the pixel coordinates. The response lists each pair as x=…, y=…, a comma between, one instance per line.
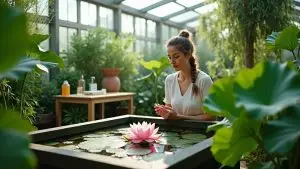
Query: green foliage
x=257, y=101
x=156, y=67
x=103, y=49
x=74, y=116
x=25, y=65
x=281, y=134
x=231, y=143
x=13, y=34
x=71, y=76
x=16, y=153
x=262, y=100
x=150, y=87
x=46, y=100
x=236, y=24
x=288, y=39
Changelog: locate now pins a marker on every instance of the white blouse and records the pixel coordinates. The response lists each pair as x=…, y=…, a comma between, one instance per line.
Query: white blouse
x=186, y=104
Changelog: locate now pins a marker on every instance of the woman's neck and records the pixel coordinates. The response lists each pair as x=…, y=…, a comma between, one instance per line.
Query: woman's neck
x=185, y=74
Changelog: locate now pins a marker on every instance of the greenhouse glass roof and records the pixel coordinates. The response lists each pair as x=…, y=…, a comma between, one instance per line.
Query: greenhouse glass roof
x=180, y=12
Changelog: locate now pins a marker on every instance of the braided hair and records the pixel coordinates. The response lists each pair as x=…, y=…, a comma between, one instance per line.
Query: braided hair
x=183, y=42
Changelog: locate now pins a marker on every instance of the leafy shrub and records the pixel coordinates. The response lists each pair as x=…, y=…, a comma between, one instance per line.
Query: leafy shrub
x=103, y=49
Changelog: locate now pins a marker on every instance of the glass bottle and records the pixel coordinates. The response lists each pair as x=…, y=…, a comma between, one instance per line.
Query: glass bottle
x=65, y=89
x=81, y=85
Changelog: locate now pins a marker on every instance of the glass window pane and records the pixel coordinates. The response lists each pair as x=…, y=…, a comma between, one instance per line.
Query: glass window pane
x=42, y=7
x=174, y=31
x=68, y=10
x=189, y=3
x=63, y=39
x=151, y=28
x=127, y=23
x=63, y=9
x=151, y=46
x=71, y=33
x=88, y=13
x=72, y=10
x=139, y=4
x=140, y=26
x=164, y=10
x=140, y=47
x=207, y=8
x=106, y=17
x=185, y=16
x=193, y=23
x=165, y=32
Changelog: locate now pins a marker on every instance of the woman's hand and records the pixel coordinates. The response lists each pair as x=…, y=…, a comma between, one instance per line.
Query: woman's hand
x=166, y=112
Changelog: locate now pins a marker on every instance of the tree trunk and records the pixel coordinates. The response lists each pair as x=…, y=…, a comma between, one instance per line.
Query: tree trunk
x=249, y=47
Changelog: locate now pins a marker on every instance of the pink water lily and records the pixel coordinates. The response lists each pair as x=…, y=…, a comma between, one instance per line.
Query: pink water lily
x=143, y=132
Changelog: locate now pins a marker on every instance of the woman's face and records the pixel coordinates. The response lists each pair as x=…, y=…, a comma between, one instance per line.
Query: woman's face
x=177, y=59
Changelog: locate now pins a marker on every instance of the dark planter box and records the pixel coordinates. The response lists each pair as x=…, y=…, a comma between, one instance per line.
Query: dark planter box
x=196, y=156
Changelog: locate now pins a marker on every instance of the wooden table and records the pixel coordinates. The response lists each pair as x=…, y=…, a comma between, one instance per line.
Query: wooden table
x=91, y=100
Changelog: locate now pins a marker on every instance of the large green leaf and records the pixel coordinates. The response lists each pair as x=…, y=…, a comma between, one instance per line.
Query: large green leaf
x=288, y=38
x=13, y=36
x=281, y=134
x=221, y=101
x=15, y=152
x=35, y=40
x=274, y=90
x=24, y=65
x=270, y=41
x=231, y=143
x=150, y=65
x=12, y=120
x=50, y=56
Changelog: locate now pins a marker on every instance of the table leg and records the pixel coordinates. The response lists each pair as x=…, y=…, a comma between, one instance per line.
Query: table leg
x=91, y=111
x=101, y=109
x=130, y=105
x=58, y=107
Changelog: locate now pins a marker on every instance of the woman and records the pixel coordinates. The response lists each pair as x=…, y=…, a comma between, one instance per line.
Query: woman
x=185, y=89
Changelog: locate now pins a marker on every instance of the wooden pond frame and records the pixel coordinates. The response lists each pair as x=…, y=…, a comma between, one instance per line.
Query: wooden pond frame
x=196, y=156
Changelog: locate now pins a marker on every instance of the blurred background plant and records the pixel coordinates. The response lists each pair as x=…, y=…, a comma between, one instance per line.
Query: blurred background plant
x=236, y=31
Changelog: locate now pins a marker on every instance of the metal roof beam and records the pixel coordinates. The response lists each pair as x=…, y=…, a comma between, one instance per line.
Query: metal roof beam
x=118, y=1
x=158, y=4
x=183, y=11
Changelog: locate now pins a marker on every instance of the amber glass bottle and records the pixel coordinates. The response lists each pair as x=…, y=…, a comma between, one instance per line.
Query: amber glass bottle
x=65, y=89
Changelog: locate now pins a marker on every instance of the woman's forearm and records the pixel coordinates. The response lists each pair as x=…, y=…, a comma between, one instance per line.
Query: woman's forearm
x=204, y=117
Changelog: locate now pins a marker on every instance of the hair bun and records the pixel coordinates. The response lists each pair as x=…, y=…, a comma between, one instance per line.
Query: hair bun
x=184, y=33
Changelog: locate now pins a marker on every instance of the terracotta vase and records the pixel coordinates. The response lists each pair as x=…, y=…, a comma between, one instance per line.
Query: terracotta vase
x=111, y=81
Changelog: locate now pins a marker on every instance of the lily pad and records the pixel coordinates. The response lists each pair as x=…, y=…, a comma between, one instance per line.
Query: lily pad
x=169, y=134
x=194, y=136
x=102, y=143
